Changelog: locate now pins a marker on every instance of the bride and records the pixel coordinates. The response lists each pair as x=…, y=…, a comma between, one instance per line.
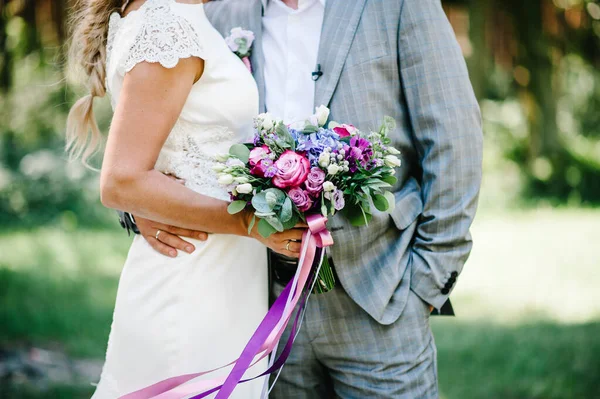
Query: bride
x=180, y=97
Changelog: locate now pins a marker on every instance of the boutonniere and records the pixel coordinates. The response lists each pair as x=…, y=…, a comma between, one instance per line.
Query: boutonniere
x=240, y=42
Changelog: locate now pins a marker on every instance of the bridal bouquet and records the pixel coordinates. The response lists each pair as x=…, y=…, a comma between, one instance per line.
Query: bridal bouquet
x=288, y=173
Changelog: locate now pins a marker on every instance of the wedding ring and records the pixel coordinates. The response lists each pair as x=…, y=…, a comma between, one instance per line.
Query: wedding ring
x=287, y=247
x=157, y=234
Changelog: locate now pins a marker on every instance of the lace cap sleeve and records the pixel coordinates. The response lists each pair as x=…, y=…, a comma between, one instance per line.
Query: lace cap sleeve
x=164, y=37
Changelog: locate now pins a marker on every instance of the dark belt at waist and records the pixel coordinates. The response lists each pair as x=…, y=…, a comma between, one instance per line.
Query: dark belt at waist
x=283, y=268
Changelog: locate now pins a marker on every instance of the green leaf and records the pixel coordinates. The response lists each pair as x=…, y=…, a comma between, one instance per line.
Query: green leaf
x=279, y=195
x=259, y=202
x=390, y=179
x=240, y=151
x=286, y=210
x=292, y=222
x=274, y=222
x=265, y=229
x=310, y=129
x=236, y=207
x=354, y=214
x=380, y=202
x=251, y=226
x=391, y=200
x=285, y=136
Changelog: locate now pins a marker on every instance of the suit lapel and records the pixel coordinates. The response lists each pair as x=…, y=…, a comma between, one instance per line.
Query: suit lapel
x=254, y=14
x=339, y=28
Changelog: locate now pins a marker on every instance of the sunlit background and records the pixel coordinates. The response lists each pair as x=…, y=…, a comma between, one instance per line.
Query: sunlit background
x=528, y=302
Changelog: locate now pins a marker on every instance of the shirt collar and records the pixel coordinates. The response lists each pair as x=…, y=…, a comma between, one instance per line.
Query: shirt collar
x=266, y=2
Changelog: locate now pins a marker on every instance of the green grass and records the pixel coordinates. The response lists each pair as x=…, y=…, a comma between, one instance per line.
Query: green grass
x=533, y=361
x=58, y=288
x=528, y=304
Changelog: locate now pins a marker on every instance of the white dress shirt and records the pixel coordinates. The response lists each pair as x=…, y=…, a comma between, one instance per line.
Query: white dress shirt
x=291, y=46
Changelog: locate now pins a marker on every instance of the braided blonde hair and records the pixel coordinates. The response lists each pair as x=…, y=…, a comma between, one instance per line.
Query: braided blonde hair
x=88, y=52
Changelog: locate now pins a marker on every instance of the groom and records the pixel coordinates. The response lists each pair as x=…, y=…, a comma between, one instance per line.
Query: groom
x=370, y=336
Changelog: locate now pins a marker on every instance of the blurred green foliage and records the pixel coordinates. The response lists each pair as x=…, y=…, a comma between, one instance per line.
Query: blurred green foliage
x=534, y=66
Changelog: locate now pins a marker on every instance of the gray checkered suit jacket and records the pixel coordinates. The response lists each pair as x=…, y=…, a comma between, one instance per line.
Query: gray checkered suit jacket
x=398, y=58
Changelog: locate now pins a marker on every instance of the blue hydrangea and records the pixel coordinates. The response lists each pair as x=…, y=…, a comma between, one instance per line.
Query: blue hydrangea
x=314, y=143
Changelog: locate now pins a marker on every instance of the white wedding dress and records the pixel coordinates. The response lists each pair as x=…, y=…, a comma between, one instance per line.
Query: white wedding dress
x=195, y=312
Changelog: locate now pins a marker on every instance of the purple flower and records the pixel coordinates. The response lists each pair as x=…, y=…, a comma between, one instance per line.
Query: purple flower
x=314, y=143
x=314, y=182
x=258, y=154
x=264, y=168
x=359, y=153
x=338, y=200
x=300, y=198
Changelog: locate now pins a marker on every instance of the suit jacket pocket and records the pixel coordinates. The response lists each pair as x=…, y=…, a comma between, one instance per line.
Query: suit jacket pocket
x=370, y=44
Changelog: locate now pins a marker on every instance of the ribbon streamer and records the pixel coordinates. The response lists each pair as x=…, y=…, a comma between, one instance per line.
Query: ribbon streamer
x=264, y=339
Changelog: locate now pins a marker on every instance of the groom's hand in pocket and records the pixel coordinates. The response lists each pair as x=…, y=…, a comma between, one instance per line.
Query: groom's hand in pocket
x=170, y=237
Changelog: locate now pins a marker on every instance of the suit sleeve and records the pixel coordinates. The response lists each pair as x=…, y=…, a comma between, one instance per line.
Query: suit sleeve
x=446, y=124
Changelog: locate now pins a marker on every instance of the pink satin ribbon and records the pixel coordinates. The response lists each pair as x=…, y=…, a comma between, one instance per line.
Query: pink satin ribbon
x=272, y=327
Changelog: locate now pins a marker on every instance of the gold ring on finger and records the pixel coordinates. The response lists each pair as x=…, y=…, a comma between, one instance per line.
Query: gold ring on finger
x=157, y=234
x=287, y=246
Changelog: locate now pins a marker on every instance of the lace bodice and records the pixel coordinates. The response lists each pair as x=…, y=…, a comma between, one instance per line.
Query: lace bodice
x=221, y=105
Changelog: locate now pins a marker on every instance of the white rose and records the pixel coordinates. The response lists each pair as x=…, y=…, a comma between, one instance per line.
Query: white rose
x=267, y=125
x=218, y=167
x=241, y=180
x=225, y=179
x=328, y=186
x=245, y=188
x=324, y=160
x=322, y=113
x=333, y=169
x=392, y=161
x=393, y=151
x=267, y=121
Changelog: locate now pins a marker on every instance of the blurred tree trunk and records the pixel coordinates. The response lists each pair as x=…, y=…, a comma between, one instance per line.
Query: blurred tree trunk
x=5, y=55
x=535, y=55
x=479, y=61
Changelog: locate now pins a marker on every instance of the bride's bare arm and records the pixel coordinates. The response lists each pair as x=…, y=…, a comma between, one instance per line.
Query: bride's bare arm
x=151, y=100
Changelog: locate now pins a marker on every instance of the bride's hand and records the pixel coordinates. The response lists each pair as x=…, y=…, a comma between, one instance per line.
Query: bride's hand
x=169, y=240
x=287, y=243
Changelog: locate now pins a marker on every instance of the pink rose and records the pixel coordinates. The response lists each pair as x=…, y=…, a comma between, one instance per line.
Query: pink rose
x=292, y=170
x=345, y=130
x=314, y=181
x=301, y=199
x=258, y=154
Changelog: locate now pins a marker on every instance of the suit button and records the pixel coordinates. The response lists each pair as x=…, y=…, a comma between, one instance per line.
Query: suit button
x=448, y=285
x=454, y=274
x=452, y=280
x=445, y=291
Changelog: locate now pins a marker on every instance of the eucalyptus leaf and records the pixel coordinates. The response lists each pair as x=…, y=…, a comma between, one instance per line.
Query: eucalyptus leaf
x=265, y=229
x=240, y=151
x=260, y=203
x=292, y=222
x=275, y=223
x=252, y=223
x=286, y=210
x=236, y=207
